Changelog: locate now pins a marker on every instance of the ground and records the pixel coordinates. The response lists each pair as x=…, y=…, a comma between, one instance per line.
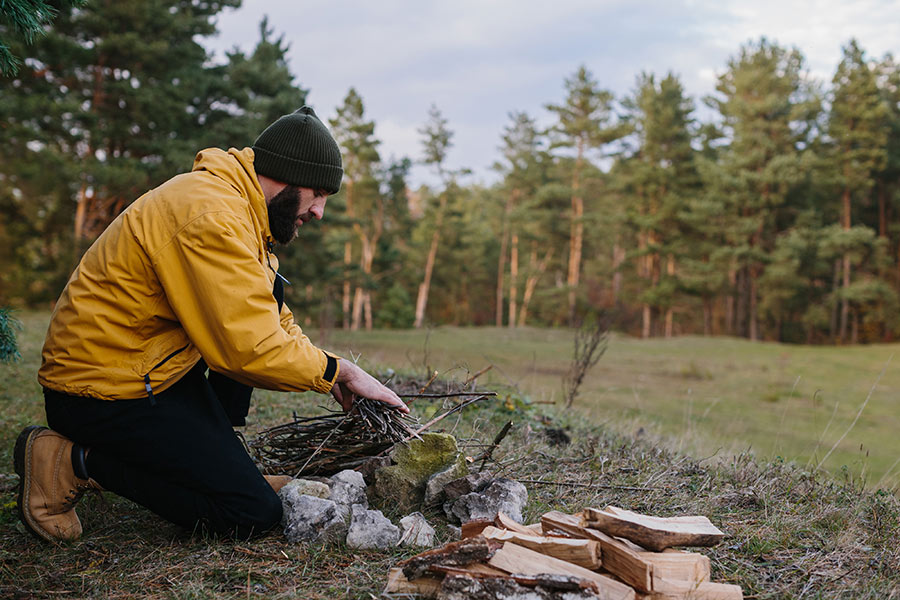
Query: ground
x=791, y=531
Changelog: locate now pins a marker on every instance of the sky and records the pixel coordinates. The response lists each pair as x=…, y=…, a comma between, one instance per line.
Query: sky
x=478, y=61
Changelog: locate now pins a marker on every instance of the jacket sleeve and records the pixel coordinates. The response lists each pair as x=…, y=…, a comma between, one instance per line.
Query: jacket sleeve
x=223, y=299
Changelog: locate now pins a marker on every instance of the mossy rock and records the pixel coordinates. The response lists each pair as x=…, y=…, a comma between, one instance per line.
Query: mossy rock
x=402, y=486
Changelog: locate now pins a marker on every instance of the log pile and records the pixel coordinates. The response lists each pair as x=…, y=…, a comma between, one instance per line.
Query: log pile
x=611, y=553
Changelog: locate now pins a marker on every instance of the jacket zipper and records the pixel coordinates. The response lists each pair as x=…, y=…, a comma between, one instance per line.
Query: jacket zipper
x=158, y=365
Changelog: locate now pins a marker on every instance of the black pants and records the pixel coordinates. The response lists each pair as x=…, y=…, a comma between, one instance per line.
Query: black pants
x=180, y=457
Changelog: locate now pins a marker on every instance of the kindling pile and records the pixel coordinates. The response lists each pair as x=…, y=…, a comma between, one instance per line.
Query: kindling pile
x=612, y=553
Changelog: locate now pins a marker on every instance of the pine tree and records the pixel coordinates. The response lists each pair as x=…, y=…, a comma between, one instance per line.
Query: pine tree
x=365, y=206
x=858, y=126
x=26, y=19
x=768, y=112
x=523, y=169
x=436, y=142
x=660, y=176
x=108, y=104
x=586, y=122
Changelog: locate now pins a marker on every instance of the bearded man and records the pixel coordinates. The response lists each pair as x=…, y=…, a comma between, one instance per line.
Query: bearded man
x=184, y=282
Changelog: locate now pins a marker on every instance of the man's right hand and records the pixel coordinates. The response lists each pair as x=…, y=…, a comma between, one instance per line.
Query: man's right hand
x=352, y=381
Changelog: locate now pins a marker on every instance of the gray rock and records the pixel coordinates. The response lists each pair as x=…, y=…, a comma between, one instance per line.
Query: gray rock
x=434, y=486
x=455, y=532
x=371, y=530
x=307, y=487
x=310, y=519
x=474, y=482
x=502, y=495
x=416, y=531
x=348, y=488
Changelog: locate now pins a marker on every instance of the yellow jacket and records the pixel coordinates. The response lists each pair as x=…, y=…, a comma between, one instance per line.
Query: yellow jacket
x=185, y=272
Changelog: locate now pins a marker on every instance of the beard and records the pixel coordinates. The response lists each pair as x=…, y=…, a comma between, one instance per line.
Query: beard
x=283, y=214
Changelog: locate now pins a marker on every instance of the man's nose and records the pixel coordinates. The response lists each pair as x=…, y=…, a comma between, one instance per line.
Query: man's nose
x=318, y=211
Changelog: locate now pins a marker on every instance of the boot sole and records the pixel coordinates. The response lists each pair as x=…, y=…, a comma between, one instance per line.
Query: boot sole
x=22, y=464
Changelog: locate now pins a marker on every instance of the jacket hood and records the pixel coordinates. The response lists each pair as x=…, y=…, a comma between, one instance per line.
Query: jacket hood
x=236, y=167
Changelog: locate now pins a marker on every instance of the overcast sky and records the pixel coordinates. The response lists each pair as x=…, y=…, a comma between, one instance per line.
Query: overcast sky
x=480, y=60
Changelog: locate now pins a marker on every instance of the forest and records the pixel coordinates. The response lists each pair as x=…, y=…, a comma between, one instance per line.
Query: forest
x=769, y=210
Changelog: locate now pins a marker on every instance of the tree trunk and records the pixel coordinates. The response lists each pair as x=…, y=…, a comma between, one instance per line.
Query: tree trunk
x=754, y=320
x=531, y=282
x=501, y=264
x=729, y=303
x=348, y=259
x=882, y=210
x=513, y=279
x=618, y=259
x=670, y=271
x=845, y=283
x=367, y=310
x=707, y=316
x=835, y=282
x=576, y=233
x=422, y=298
x=357, y=309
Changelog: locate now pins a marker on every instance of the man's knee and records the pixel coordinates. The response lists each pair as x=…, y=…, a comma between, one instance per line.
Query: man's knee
x=262, y=516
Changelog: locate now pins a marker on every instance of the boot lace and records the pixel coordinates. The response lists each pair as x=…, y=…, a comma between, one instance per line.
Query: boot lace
x=74, y=495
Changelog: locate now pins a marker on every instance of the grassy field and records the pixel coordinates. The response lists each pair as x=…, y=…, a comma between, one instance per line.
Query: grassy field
x=704, y=395
x=646, y=413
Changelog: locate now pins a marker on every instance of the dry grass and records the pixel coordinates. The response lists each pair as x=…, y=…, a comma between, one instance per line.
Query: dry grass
x=792, y=533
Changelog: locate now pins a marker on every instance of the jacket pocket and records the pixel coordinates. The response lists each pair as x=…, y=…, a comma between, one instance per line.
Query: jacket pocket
x=147, y=385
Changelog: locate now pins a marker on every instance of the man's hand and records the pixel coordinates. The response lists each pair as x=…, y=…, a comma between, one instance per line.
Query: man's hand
x=353, y=381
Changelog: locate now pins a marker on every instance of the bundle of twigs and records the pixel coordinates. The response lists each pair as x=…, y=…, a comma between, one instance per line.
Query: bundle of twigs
x=326, y=444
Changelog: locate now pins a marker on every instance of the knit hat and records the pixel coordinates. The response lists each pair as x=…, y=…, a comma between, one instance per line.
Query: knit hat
x=298, y=149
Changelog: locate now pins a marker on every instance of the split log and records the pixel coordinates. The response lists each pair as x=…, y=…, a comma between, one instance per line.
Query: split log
x=474, y=527
x=629, y=562
x=463, y=552
x=699, y=591
x=503, y=521
x=482, y=571
x=584, y=553
x=513, y=558
x=654, y=533
x=461, y=587
x=397, y=583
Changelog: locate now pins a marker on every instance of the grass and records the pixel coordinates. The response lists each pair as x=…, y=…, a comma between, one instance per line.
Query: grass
x=791, y=532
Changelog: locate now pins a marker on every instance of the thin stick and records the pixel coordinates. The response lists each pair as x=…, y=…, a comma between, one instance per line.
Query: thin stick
x=456, y=408
x=430, y=381
x=499, y=438
x=590, y=485
x=478, y=374
x=858, y=413
x=448, y=395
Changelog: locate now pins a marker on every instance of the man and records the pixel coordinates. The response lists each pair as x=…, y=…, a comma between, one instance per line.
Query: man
x=184, y=280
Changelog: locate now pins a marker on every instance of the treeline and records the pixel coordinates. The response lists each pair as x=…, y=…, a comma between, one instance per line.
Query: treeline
x=774, y=216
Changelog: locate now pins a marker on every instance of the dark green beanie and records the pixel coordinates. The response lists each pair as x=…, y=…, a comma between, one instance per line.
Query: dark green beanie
x=298, y=149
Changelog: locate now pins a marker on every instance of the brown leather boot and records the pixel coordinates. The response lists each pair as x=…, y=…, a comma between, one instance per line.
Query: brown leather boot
x=48, y=486
x=278, y=481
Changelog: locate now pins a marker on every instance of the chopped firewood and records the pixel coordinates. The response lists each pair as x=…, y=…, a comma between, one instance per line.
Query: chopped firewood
x=654, y=533
x=474, y=527
x=397, y=583
x=536, y=528
x=677, y=565
x=462, y=552
x=698, y=591
x=482, y=571
x=631, y=563
x=513, y=558
x=461, y=587
x=472, y=570
x=584, y=553
x=503, y=521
